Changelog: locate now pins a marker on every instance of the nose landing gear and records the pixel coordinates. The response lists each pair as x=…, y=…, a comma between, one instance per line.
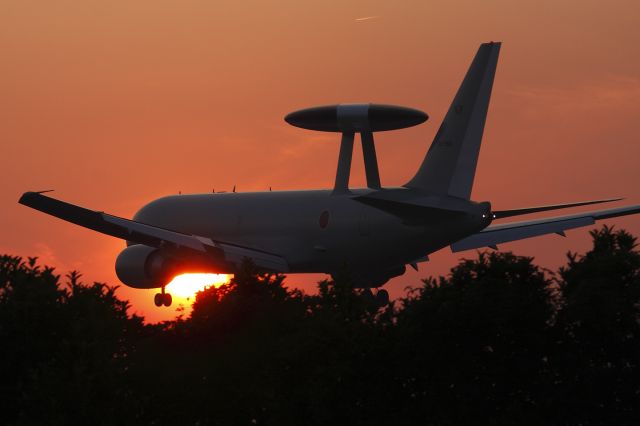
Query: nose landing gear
x=162, y=299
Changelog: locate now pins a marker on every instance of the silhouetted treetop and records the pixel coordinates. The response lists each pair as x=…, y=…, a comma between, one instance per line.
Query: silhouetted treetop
x=598, y=330
x=499, y=340
x=249, y=300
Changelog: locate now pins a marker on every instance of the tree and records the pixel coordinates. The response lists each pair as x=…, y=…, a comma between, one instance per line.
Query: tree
x=64, y=347
x=473, y=344
x=498, y=340
x=598, y=332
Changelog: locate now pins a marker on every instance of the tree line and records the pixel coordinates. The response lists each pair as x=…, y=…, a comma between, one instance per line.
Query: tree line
x=499, y=340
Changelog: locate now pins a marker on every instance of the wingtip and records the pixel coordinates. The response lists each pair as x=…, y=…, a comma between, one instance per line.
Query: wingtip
x=31, y=195
x=24, y=198
x=608, y=200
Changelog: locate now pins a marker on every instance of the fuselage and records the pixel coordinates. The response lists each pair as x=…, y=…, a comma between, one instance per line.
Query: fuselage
x=315, y=231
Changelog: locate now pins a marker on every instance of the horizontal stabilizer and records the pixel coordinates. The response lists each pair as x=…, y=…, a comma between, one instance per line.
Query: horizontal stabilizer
x=504, y=233
x=415, y=208
x=501, y=214
x=411, y=214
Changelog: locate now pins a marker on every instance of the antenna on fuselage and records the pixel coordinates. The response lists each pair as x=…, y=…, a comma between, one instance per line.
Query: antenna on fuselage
x=349, y=119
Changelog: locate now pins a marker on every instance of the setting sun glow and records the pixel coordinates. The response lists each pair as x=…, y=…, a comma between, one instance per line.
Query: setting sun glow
x=187, y=285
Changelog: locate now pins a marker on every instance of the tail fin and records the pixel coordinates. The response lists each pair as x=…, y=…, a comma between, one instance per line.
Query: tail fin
x=450, y=163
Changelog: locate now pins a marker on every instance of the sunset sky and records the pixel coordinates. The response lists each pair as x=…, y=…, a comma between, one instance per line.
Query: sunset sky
x=115, y=103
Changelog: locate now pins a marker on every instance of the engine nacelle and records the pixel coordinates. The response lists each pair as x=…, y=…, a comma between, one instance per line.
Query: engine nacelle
x=142, y=266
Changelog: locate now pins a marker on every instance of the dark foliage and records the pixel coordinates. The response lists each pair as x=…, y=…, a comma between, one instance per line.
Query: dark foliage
x=476, y=342
x=65, y=347
x=497, y=341
x=598, y=332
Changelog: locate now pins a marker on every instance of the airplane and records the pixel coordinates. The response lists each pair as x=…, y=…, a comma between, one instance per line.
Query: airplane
x=372, y=232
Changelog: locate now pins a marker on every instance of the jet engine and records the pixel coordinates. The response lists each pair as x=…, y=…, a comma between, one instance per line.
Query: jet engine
x=142, y=266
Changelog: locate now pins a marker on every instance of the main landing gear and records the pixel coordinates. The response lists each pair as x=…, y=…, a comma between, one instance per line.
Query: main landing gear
x=380, y=299
x=162, y=298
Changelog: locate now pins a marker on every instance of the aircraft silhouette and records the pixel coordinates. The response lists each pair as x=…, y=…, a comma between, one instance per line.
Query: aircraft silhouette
x=374, y=232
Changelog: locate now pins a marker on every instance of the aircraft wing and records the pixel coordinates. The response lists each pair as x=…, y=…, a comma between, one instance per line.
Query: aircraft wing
x=150, y=235
x=503, y=233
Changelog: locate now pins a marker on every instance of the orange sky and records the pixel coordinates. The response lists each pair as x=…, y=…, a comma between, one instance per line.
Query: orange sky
x=116, y=103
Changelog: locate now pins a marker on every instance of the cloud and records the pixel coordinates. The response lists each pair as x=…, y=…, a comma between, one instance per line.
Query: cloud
x=40, y=250
x=47, y=257
x=617, y=92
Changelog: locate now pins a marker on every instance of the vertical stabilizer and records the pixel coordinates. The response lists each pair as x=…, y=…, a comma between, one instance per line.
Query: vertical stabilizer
x=450, y=163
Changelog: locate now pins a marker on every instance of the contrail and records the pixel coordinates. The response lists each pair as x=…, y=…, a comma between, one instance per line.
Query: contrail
x=366, y=18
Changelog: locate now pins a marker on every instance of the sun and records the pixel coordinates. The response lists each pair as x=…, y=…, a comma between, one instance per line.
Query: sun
x=187, y=285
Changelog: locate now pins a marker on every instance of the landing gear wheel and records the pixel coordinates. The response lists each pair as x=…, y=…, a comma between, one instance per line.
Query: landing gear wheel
x=158, y=299
x=162, y=298
x=167, y=299
x=382, y=297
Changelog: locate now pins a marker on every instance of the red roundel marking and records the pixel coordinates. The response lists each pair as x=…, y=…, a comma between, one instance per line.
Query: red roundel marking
x=324, y=219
